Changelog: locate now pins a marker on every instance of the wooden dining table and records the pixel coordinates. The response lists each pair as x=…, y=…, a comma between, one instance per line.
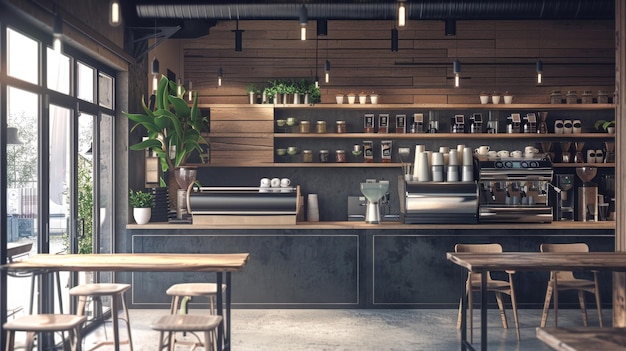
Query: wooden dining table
x=482, y=263
x=219, y=264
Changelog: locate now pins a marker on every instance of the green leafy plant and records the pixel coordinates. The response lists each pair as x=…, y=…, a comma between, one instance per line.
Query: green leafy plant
x=604, y=124
x=314, y=93
x=172, y=127
x=140, y=199
x=251, y=88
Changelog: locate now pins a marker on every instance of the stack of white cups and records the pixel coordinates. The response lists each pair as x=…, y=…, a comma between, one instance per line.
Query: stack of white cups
x=312, y=209
x=416, y=163
x=453, y=167
x=468, y=168
x=437, y=166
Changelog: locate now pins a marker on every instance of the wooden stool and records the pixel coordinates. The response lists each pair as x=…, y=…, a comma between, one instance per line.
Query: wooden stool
x=34, y=323
x=180, y=291
x=96, y=292
x=173, y=323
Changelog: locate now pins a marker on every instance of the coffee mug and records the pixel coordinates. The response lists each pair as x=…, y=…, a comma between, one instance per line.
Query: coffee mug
x=591, y=156
x=265, y=182
x=503, y=153
x=516, y=154
x=508, y=99
x=558, y=126
x=599, y=156
x=530, y=149
x=275, y=183
x=568, y=126
x=292, y=150
x=492, y=153
x=529, y=154
x=291, y=121
x=482, y=150
x=285, y=182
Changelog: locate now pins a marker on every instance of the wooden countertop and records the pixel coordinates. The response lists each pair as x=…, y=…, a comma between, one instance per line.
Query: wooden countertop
x=339, y=225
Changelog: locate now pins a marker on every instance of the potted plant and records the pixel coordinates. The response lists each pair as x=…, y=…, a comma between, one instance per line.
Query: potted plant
x=142, y=203
x=174, y=128
x=608, y=126
x=252, y=90
x=314, y=93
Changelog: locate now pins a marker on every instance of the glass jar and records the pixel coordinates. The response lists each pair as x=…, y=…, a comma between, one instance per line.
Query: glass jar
x=307, y=156
x=603, y=97
x=341, y=127
x=320, y=127
x=340, y=156
x=323, y=156
x=587, y=97
x=571, y=97
x=555, y=97
x=305, y=127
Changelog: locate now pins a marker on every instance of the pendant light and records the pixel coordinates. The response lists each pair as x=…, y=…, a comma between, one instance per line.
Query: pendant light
x=456, y=69
x=327, y=71
x=238, y=38
x=220, y=73
x=450, y=29
x=539, y=72
x=394, y=40
x=189, y=92
x=304, y=20
x=115, y=14
x=401, y=14
x=57, y=34
x=179, y=88
x=154, y=67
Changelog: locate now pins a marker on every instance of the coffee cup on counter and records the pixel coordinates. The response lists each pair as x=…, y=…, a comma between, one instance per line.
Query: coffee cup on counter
x=482, y=150
x=503, y=153
x=492, y=153
x=275, y=182
x=516, y=154
x=285, y=182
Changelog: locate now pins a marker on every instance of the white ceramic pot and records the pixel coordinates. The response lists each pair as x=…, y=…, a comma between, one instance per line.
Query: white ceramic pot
x=142, y=215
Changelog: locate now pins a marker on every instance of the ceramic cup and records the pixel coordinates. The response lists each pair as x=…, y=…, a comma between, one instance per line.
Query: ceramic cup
x=492, y=153
x=482, y=150
x=280, y=122
x=275, y=183
x=530, y=150
x=508, y=99
x=281, y=152
x=591, y=156
x=291, y=121
x=484, y=99
x=285, y=182
x=516, y=154
x=495, y=99
x=265, y=182
x=292, y=150
x=503, y=153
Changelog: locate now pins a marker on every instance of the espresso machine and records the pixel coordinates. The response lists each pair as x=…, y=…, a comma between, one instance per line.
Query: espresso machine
x=458, y=124
x=587, y=201
x=530, y=123
x=564, y=203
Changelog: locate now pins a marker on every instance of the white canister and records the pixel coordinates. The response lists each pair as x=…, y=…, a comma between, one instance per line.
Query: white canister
x=312, y=208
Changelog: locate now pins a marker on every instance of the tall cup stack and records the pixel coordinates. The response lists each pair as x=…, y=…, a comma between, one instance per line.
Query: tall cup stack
x=416, y=164
x=468, y=168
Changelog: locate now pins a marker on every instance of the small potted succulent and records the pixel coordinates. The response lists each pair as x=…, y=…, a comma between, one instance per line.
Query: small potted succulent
x=142, y=203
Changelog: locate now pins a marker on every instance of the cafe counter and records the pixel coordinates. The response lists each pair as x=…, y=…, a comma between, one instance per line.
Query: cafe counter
x=353, y=264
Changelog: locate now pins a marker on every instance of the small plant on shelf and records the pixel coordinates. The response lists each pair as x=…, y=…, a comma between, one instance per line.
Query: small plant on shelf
x=608, y=126
x=140, y=199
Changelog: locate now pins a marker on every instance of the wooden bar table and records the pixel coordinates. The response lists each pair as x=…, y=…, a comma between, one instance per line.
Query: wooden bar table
x=526, y=261
x=148, y=262
x=583, y=338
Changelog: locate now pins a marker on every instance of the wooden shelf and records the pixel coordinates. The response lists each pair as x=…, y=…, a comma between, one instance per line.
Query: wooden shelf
x=441, y=136
x=339, y=165
x=545, y=107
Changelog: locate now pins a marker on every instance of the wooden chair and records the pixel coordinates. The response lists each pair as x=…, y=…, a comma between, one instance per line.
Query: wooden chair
x=50, y=323
x=565, y=280
x=95, y=292
x=498, y=286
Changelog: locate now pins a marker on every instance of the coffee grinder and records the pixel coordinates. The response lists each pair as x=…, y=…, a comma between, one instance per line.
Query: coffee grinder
x=458, y=124
x=587, y=209
x=564, y=202
x=476, y=125
x=530, y=123
x=492, y=124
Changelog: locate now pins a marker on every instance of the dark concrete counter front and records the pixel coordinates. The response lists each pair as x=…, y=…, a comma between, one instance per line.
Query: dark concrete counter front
x=351, y=266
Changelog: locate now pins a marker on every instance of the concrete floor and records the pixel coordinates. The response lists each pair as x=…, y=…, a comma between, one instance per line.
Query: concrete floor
x=362, y=330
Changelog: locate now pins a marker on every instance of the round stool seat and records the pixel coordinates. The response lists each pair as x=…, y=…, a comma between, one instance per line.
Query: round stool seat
x=186, y=322
x=192, y=289
x=45, y=322
x=100, y=289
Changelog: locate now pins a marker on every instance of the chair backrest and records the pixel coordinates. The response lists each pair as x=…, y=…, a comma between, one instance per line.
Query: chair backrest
x=484, y=248
x=575, y=247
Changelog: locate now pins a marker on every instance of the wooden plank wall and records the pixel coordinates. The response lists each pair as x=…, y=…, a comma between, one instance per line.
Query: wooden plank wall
x=495, y=56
